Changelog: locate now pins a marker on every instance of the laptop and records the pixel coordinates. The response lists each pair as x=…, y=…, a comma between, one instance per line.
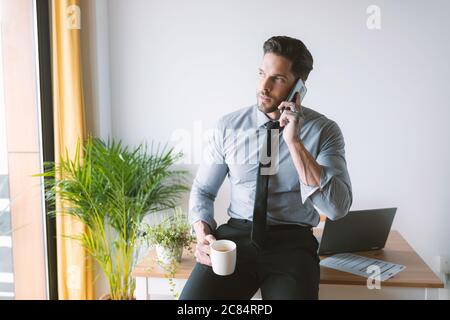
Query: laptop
x=361, y=230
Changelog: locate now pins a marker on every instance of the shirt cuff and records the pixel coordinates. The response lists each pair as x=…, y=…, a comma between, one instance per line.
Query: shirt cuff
x=194, y=217
x=307, y=191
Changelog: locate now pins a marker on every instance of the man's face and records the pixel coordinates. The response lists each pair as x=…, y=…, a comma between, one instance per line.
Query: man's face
x=275, y=82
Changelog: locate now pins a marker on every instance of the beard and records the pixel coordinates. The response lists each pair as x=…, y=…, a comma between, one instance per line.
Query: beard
x=267, y=107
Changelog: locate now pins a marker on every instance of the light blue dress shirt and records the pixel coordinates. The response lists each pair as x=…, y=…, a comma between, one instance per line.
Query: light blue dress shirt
x=234, y=151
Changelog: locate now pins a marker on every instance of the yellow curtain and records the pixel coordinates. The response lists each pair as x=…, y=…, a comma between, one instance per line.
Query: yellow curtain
x=75, y=274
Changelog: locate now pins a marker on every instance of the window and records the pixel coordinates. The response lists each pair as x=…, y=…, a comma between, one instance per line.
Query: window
x=23, y=222
x=6, y=262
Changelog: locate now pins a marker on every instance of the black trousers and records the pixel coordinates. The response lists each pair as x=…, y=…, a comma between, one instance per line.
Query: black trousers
x=287, y=268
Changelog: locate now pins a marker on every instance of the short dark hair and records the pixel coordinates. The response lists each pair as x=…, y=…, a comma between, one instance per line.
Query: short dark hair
x=294, y=50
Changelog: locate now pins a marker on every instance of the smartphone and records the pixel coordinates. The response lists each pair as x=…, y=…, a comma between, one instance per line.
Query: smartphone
x=300, y=88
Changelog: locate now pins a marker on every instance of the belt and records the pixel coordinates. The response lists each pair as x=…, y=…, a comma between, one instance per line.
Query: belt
x=247, y=225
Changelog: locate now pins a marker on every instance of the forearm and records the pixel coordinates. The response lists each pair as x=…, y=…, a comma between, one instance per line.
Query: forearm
x=201, y=205
x=324, y=180
x=308, y=169
x=204, y=190
x=335, y=197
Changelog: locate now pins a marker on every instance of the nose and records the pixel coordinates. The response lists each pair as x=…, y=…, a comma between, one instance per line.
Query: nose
x=265, y=86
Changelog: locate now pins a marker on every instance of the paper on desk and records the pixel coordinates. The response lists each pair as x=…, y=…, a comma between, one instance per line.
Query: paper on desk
x=361, y=266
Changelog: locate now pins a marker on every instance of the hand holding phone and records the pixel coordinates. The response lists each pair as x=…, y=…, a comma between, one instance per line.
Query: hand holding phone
x=299, y=88
x=296, y=112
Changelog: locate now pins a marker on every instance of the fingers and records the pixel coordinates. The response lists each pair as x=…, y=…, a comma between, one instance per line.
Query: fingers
x=290, y=111
x=287, y=106
x=291, y=105
x=202, y=249
x=202, y=258
x=288, y=116
x=202, y=253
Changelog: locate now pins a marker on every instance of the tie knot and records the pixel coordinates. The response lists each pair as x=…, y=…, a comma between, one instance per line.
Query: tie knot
x=272, y=125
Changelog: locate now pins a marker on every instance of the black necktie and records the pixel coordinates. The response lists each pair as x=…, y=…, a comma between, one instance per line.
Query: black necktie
x=262, y=182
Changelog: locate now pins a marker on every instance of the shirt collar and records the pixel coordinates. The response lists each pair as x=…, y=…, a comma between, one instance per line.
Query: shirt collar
x=261, y=118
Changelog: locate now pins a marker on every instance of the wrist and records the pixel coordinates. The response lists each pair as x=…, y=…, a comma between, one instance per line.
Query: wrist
x=294, y=142
x=201, y=228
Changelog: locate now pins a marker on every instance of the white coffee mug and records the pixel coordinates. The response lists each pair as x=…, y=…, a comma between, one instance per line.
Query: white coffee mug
x=223, y=257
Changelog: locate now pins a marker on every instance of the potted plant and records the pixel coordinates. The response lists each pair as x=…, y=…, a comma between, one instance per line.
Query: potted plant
x=169, y=238
x=111, y=188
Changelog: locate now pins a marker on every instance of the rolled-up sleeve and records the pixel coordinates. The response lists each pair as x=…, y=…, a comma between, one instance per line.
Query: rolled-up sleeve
x=333, y=197
x=209, y=178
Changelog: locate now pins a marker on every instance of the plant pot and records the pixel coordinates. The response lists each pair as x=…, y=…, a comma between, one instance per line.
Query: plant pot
x=169, y=255
x=107, y=296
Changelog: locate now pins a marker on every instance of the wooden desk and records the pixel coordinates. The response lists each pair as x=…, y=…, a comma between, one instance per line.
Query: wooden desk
x=417, y=281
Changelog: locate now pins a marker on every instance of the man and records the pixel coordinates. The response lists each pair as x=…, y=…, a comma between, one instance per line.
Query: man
x=272, y=215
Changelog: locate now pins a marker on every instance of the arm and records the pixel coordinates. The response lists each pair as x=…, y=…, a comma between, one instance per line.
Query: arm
x=204, y=190
x=207, y=182
x=324, y=180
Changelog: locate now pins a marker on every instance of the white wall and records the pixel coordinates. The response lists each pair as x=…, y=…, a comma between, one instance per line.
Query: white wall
x=173, y=63
x=95, y=57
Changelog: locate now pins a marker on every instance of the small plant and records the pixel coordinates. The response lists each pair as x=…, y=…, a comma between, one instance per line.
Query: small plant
x=170, y=237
